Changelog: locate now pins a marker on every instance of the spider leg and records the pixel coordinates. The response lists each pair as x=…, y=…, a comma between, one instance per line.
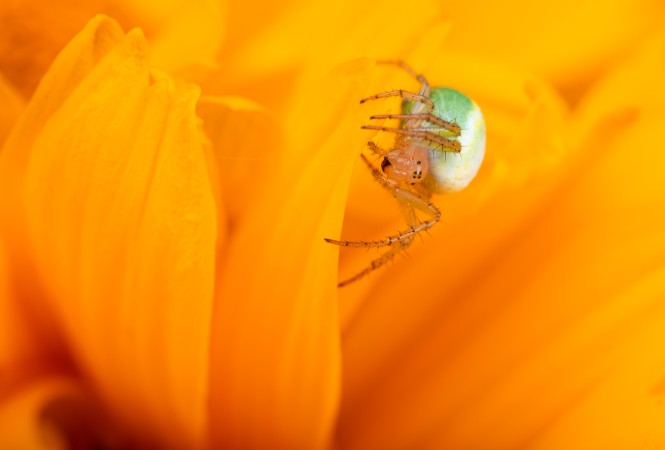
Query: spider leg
x=390, y=240
x=409, y=214
x=424, y=84
x=424, y=134
x=378, y=262
x=376, y=149
x=404, y=95
x=407, y=200
x=424, y=117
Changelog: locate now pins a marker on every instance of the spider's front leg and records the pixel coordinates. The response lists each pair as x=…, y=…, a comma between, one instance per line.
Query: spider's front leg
x=414, y=122
x=422, y=99
x=424, y=84
x=408, y=200
x=376, y=149
x=422, y=134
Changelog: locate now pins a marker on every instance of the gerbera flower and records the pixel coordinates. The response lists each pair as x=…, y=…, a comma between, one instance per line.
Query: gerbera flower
x=164, y=282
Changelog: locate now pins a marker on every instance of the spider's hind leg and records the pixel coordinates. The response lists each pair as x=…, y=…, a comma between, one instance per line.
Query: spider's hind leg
x=382, y=260
x=426, y=135
x=415, y=121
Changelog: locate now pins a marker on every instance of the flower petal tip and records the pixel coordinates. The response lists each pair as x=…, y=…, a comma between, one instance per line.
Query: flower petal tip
x=103, y=30
x=136, y=46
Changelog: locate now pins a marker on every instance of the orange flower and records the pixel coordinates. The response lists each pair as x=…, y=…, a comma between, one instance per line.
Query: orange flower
x=164, y=280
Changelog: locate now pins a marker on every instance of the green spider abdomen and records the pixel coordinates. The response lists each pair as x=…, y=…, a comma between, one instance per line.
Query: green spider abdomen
x=448, y=171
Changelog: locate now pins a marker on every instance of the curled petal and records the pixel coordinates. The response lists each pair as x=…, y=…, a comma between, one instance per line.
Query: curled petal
x=20, y=422
x=55, y=412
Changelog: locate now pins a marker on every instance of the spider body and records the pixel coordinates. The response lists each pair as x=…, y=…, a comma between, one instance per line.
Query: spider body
x=453, y=172
x=433, y=123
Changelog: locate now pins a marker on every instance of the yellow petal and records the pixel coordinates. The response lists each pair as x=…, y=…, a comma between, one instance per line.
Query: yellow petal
x=275, y=355
x=121, y=225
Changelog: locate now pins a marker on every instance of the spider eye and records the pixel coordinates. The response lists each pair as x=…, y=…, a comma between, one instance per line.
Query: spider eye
x=385, y=163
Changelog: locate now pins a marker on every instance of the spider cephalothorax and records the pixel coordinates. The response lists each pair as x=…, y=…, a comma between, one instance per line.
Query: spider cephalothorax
x=433, y=122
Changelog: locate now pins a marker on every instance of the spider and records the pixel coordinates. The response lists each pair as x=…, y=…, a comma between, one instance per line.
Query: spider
x=434, y=121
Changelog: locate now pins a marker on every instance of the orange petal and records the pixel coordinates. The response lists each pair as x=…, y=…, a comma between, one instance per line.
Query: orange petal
x=30, y=39
x=623, y=405
x=19, y=351
x=525, y=147
x=246, y=147
x=275, y=355
x=183, y=33
x=278, y=64
x=21, y=425
x=571, y=297
x=539, y=319
x=56, y=413
x=569, y=49
x=11, y=106
x=122, y=227
x=634, y=84
x=69, y=68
